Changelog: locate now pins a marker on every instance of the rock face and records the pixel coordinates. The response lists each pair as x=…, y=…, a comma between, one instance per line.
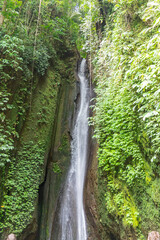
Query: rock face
x=11, y=237
x=50, y=191
x=91, y=188
x=90, y=194
x=58, y=163
x=154, y=236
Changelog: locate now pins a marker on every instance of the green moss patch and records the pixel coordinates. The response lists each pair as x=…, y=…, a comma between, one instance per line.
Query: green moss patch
x=26, y=170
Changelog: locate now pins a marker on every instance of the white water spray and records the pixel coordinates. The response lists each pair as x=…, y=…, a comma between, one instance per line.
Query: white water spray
x=72, y=215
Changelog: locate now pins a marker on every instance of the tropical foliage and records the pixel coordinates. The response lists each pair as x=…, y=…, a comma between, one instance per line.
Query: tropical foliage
x=121, y=39
x=126, y=71
x=35, y=36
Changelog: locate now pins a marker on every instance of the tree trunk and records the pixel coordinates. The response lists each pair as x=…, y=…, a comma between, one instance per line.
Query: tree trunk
x=3, y=10
x=35, y=44
x=36, y=34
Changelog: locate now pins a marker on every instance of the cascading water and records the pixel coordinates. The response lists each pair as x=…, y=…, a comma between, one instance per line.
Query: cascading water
x=72, y=215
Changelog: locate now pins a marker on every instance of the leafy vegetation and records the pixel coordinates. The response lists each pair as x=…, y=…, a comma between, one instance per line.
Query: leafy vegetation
x=35, y=39
x=126, y=72
x=22, y=187
x=121, y=40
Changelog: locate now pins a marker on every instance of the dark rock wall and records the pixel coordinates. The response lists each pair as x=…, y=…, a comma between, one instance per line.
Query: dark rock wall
x=44, y=224
x=58, y=162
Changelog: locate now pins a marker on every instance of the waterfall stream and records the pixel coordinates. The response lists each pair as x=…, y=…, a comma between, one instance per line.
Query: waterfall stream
x=72, y=215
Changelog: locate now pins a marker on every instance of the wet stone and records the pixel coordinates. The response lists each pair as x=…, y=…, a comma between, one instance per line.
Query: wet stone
x=154, y=236
x=11, y=237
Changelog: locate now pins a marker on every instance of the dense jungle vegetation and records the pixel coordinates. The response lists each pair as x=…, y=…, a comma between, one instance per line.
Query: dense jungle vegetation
x=121, y=39
x=36, y=38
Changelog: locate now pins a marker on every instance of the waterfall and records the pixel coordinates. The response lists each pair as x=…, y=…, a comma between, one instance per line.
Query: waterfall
x=72, y=214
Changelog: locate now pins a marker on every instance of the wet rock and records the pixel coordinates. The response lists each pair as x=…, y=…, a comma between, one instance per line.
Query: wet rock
x=11, y=237
x=154, y=236
x=50, y=189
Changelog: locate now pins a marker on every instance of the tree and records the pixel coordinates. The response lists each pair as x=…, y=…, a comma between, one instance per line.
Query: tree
x=2, y=13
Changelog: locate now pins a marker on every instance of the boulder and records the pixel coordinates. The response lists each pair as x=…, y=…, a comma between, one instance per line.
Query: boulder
x=11, y=237
x=154, y=236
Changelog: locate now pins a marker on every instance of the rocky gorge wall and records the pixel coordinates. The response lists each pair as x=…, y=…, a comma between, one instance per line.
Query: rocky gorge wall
x=40, y=126
x=58, y=161
x=42, y=156
x=57, y=158
x=58, y=164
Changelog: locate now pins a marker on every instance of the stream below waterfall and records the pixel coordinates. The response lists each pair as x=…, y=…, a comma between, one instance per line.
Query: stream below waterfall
x=72, y=221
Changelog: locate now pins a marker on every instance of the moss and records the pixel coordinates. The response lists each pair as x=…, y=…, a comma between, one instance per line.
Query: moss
x=56, y=168
x=59, y=158
x=34, y=120
x=26, y=170
x=43, y=107
x=64, y=143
